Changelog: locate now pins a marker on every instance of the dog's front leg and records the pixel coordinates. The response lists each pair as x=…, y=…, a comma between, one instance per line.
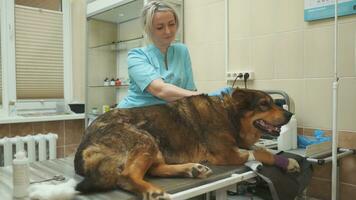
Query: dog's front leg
x=266, y=157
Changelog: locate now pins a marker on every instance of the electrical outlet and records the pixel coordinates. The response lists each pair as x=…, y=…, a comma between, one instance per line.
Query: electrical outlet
x=230, y=76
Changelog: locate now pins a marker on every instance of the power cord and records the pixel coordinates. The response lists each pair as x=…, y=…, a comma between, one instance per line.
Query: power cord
x=239, y=76
x=246, y=76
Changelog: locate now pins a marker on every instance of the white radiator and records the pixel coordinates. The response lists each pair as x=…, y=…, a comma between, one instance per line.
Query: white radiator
x=38, y=147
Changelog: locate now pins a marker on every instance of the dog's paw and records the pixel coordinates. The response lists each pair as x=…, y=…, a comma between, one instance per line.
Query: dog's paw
x=200, y=171
x=293, y=165
x=156, y=195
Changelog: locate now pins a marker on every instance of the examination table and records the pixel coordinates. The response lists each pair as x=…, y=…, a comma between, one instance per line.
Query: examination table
x=223, y=178
x=179, y=188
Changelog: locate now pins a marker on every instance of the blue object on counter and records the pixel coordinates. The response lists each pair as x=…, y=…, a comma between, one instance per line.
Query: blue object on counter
x=219, y=92
x=319, y=137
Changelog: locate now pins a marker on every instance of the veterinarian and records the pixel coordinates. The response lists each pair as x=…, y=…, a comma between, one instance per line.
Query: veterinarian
x=160, y=72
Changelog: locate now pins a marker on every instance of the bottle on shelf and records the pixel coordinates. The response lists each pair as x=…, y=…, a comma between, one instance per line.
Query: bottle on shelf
x=112, y=82
x=118, y=82
x=106, y=82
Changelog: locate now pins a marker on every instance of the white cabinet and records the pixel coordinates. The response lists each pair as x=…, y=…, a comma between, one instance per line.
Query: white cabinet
x=113, y=28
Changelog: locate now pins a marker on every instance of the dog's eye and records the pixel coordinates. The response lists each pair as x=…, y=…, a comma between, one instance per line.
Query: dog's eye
x=264, y=103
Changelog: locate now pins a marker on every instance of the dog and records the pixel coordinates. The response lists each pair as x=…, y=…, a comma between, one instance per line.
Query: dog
x=172, y=140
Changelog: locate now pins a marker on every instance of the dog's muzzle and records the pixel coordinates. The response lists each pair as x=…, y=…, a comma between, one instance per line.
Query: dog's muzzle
x=266, y=127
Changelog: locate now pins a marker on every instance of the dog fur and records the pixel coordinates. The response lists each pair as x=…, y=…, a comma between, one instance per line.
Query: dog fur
x=121, y=146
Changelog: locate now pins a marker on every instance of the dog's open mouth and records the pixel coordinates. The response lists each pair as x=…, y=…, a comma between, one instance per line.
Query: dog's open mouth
x=266, y=127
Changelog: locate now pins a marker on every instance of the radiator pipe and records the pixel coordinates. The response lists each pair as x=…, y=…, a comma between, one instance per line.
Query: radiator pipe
x=7, y=144
x=31, y=148
x=52, y=139
x=20, y=145
x=41, y=147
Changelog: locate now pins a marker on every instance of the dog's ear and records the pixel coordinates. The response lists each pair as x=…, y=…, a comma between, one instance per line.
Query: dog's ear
x=240, y=98
x=234, y=90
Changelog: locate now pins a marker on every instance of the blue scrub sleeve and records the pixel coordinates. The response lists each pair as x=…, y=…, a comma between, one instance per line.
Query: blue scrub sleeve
x=140, y=70
x=189, y=72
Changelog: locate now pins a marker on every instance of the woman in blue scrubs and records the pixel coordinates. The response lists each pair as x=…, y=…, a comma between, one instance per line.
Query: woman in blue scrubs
x=160, y=72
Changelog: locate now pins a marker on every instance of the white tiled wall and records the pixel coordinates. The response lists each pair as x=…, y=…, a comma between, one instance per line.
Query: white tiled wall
x=271, y=38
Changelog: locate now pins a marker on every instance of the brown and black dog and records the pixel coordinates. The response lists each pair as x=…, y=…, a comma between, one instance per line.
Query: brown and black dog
x=120, y=147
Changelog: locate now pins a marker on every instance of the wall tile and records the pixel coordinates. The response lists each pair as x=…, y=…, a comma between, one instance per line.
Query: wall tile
x=239, y=19
x=289, y=55
x=21, y=129
x=215, y=15
x=60, y=152
x=263, y=17
x=4, y=130
x=209, y=86
x=347, y=170
x=213, y=65
x=240, y=54
x=347, y=104
x=194, y=31
x=289, y=15
x=317, y=100
x=199, y=3
x=263, y=49
x=322, y=171
x=55, y=127
x=347, y=48
x=208, y=65
x=347, y=140
x=38, y=127
x=197, y=30
x=318, y=55
x=347, y=191
x=70, y=150
x=74, y=130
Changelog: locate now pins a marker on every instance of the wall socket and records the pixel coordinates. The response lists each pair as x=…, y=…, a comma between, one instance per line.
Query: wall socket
x=230, y=76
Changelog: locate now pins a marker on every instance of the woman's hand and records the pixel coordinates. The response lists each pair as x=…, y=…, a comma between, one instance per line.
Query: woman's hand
x=219, y=92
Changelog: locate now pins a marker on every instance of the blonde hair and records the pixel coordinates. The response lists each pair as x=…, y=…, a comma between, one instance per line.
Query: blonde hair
x=148, y=12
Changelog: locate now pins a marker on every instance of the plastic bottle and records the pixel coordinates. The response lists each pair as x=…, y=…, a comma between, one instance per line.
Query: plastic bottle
x=20, y=175
x=284, y=142
x=294, y=130
x=286, y=136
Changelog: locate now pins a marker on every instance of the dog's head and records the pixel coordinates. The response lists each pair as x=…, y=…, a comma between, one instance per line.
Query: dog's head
x=257, y=114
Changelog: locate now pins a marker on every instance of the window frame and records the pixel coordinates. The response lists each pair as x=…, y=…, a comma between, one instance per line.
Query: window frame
x=9, y=61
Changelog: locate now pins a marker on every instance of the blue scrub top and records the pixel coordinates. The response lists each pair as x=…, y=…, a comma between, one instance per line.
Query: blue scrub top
x=147, y=64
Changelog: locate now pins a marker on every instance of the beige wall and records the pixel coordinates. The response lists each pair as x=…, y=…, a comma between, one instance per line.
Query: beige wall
x=271, y=38
x=79, y=48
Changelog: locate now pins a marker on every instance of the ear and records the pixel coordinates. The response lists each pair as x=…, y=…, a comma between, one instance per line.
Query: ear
x=234, y=90
x=241, y=98
x=238, y=93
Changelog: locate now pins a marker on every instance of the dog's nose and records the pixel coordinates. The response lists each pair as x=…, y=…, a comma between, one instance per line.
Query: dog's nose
x=287, y=115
